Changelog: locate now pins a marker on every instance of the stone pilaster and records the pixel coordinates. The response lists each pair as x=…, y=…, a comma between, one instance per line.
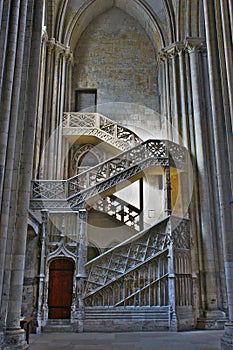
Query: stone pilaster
x=167, y=191
x=169, y=58
x=57, y=95
x=166, y=94
x=41, y=277
x=217, y=30
x=81, y=274
x=195, y=47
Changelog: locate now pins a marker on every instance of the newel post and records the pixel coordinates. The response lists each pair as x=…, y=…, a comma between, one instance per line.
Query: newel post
x=167, y=191
x=81, y=273
x=171, y=280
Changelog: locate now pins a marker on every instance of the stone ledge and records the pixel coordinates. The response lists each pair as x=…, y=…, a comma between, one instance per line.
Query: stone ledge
x=210, y=324
x=14, y=339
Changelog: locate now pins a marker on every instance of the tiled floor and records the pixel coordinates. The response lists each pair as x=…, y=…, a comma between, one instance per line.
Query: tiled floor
x=196, y=340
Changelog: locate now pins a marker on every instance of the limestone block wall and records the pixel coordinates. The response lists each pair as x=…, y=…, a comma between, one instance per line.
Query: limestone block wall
x=115, y=56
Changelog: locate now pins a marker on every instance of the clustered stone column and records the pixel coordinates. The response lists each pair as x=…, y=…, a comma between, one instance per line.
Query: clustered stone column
x=218, y=22
x=185, y=92
x=41, y=277
x=55, y=97
x=21, y=26
x=81, y=274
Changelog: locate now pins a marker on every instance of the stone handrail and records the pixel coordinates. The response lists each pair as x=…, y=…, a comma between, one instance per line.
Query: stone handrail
x=152, y=268
x=144, y=285
x=129, y=164
x=105, y=176
x=126, y=256
x=95, y=124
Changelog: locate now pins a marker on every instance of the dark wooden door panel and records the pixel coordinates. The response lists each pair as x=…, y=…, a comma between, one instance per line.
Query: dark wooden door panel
x=60, y=288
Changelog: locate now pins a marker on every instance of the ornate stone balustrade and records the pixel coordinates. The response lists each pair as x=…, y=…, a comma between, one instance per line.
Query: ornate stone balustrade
x=150, y=269
x=95, y=124
x=104, y=176
x=125, y=257
x=145, y=286
x=124, y=166
x=121, y=210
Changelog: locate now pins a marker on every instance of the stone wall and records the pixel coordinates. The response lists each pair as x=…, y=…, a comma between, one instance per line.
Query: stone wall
x=116, y=56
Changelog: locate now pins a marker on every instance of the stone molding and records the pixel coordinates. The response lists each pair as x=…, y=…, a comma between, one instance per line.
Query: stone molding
x=59, y=48
x=195, y=44
x=189, y=45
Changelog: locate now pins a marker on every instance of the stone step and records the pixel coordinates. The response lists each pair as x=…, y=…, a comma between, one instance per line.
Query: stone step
x=58, y=326
x=126, y=319
x=61, y=321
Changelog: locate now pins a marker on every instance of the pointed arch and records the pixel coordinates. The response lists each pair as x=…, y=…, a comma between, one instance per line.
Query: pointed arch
x=94, y=8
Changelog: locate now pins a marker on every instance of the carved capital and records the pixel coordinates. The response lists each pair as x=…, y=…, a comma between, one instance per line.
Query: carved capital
x=68, y=55
x=83, y=214
x=194, y=45
x=50, y=45
x=55, y=46
x=171, y=51
x=44, y=35
x=162, y=56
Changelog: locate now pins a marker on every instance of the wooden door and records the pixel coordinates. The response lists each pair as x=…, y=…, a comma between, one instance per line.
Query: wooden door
x=60, y=288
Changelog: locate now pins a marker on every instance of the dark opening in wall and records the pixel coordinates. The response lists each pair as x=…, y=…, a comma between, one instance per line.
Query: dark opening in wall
x=86, y=99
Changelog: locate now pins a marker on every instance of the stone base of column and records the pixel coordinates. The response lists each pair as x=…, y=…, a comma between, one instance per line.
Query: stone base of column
x=14, y=339
x=227, y=338
x=215, y=319
x=1, y=339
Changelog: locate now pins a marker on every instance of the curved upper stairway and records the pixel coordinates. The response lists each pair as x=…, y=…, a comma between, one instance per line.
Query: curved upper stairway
x=97, y=125
x=103, y=178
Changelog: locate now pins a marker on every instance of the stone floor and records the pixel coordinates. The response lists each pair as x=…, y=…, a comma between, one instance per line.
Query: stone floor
x=196, y=340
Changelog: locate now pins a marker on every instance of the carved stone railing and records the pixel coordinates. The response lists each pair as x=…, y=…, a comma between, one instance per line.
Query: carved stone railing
x=129, y=164
x=126, y=256
x=106, y=175
x=153, y=268
x=95, y=124
x=147, y=285
x=49, y=189
x=121, y=210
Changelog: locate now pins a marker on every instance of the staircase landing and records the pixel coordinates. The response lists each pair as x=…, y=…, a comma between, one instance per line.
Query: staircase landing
x=126, y=319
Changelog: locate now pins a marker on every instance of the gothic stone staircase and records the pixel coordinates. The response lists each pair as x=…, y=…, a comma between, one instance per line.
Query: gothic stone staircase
x=145, y=283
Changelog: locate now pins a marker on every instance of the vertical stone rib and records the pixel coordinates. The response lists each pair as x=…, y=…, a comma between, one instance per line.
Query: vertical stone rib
x=25, y=172
x=10, y=152
x=60, y=148
x=39, y=141
x=45, y=118
x=194, y=46
x=52, y=138
x=8, y=79
x=183, y=100
x=4, y=31
x=169, y=122
x=175, y=121
x=227, y=38
x=224, y=185
x=42, y=270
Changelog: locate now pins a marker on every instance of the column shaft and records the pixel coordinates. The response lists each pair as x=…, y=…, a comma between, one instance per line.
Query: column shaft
x=194, y=46
x=222, y=155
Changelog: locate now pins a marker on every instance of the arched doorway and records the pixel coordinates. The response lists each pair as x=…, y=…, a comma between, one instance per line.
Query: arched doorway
x=60, y=289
